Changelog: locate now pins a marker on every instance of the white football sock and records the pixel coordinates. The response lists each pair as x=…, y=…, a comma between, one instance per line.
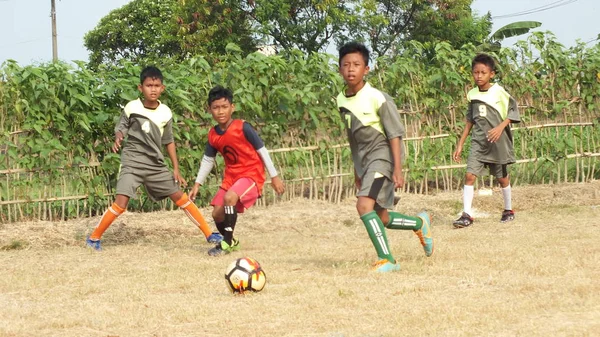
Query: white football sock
x=507, y=197
x=468, y=192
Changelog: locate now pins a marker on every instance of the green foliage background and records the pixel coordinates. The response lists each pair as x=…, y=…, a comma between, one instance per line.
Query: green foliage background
x=59, y=117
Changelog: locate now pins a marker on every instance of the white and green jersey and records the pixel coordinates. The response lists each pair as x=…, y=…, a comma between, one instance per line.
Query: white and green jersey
x=371, y=119
x=147, y=131
x=486, y=110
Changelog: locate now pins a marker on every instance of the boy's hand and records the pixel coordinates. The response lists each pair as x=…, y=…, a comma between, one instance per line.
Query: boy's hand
x=117, y=144
x=398, y=179
x=277, y=185
x=456, y=154
x=178, y=178
x=495, y=133
x=194, y=191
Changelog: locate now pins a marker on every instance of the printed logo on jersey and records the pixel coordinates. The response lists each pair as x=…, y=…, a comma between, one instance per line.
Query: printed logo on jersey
x=146, y=127
x=230, y=155
x=482, y=110
x=347, y=116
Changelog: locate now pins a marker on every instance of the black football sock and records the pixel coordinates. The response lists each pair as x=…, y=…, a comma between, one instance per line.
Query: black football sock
x=221, y=227
x=229, y=224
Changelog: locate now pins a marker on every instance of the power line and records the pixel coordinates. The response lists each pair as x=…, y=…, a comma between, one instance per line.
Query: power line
x=23, y=42
x=537, y=9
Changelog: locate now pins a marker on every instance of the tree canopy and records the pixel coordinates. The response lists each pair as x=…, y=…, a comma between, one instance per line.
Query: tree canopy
x=450, y=21
x=142, y=29
x=149, y=30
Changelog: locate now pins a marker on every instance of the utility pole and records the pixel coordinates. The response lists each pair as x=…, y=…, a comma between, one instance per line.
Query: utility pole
x=54, y=43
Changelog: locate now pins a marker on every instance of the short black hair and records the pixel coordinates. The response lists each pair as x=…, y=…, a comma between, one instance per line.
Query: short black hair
x=150, y=72
x=219, y=92
x=354, y=47
x=484, y=59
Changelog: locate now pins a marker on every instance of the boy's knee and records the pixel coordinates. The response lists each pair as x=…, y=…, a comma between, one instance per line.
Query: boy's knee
x=230, y=198
x=504, y=182
x=470, y=178
x=363, y=208
x=176, y=197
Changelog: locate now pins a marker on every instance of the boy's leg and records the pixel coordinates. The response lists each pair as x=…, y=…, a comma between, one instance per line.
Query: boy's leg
x=241, y=195
x=225, y=214
x=191, y=210
x=402, y=221
x=377, y=191
x=377, y=234
x=127, y=184
x=419, y=224
x=502, y=176
x=474, y=168
x=112, y=213
x=161, y=183
x=218, y=213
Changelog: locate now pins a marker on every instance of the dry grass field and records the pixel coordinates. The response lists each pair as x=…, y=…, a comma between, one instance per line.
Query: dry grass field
x=536, y=276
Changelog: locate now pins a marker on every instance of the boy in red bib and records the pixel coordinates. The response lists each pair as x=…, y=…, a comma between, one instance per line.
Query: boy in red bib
x=245, y=158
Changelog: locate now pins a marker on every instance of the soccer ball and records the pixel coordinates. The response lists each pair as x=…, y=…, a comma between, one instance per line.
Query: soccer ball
x=245, y=274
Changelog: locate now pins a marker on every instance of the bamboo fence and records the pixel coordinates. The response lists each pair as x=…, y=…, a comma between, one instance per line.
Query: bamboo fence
x=315, y=172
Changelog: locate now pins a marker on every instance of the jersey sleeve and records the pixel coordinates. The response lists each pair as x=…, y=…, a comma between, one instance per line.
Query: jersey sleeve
x=513, y=111
x=210, y=151
x=469, y=115
x=390, y=119
x=167, y=136
x=123, y=124
x=252, y=136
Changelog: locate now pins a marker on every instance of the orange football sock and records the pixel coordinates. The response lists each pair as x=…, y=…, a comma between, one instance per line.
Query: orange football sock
x=107, y=219
x=192, y=211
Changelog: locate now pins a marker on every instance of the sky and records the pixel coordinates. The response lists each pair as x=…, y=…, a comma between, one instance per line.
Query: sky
x=26, y=26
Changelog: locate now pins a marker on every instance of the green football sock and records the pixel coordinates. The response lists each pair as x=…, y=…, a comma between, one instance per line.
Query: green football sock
x=376, y=232
x=401, y=221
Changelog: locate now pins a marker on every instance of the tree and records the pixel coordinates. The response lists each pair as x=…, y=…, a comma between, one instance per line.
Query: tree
x=450, y=21
x=383, y=24
x=494, y=41
x=386, y=25
x=208, y=26
x=308, y=25
x=156, y=30
x=142, y=29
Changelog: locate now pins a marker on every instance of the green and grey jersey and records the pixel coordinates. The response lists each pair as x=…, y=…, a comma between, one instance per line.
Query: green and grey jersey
x=147, y=131
x=486, y=110
x=371, y=120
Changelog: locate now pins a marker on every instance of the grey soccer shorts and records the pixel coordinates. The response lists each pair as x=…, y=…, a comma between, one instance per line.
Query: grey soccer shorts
x=159, y=183
x=379, y=188
x=480, y=169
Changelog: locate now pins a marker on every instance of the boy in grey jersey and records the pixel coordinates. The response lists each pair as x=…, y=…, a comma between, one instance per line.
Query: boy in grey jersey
x=147, y=124
x=375, y=134
x=490, y=112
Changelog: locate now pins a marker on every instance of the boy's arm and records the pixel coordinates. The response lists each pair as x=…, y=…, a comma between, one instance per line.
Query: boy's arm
x=469, y=122
x=276, y=182
x=206, y=165
x=254, y=139
x=120, y=131
x=394, y=131
x=461, y=141
x=396, y=147
x=173, y=156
